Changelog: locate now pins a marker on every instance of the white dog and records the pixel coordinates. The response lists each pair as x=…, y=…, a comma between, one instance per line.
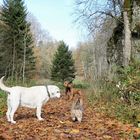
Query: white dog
x=32, y=97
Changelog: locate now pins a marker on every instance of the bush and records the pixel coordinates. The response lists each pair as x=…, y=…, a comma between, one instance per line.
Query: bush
x=106, y=98
x=129, y=85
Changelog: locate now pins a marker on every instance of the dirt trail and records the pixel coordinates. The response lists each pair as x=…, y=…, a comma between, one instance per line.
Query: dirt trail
x=58, y=125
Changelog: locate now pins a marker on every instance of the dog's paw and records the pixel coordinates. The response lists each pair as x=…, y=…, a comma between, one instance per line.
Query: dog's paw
x=40, y=119
x=73, y=119
x=8, y=120
x=13, y=122
x=79, y=119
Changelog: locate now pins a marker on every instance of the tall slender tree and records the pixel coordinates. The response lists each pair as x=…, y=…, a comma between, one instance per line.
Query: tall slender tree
x=18, y=41
x=63, y=64
x=127, y=17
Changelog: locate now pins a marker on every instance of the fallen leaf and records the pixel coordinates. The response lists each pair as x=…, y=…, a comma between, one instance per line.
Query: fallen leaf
x=74, y=131
x=62, y=122
x=137, y=130
x=68, y=122
x=107, y=137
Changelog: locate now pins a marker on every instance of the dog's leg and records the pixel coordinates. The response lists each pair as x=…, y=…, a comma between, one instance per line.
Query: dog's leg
x=8, y=111
x=73, y=115
x=38, y=112
x=12, y=115
x=79, y=115
x=13, y=110
x=70, y=96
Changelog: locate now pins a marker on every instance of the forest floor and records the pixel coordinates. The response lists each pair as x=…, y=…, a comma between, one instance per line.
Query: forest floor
x=58, y=125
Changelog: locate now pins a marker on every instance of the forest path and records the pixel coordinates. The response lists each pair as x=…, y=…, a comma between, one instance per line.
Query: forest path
x=58, y=125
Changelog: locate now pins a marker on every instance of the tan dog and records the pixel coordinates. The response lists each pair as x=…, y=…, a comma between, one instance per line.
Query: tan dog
x=77, y=108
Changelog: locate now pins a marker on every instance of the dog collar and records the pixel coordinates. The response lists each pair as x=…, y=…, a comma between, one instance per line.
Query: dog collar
x=48, y=91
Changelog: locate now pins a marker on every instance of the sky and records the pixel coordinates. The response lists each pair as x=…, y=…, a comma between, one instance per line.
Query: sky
x=55, y=16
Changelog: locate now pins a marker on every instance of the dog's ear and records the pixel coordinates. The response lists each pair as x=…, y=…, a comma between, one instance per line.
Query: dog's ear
x=66, y=83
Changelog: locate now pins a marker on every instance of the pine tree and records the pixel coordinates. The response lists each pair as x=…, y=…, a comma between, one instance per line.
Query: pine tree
x=63, y=64
x=18, y=41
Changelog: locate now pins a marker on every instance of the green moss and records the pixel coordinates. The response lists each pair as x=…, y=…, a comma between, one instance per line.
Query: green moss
x=128, y=4
x=138, y=2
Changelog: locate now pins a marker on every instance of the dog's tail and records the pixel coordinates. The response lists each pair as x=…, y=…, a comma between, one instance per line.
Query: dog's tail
x=3, y=87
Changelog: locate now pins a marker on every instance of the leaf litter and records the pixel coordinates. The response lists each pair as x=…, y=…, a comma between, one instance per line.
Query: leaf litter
x=59, y=125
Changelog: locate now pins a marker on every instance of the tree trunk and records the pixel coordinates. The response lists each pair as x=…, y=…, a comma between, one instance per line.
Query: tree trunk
x=127, y=40
x=24, y=60
x=13, y=60
x=84, y=70
x=127, y=35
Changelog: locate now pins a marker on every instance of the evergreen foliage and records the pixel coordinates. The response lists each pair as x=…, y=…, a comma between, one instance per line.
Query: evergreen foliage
x=63, y=64
x=16, y=40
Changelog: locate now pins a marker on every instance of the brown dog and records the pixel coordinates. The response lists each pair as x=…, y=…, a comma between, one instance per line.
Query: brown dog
x=70, y=91
x=68, y=87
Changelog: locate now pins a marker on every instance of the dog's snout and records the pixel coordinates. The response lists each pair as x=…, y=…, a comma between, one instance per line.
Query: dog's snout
x=59, y=95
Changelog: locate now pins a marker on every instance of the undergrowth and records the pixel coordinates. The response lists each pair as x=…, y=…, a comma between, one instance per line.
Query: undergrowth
x=119, y=101
x=109, y=102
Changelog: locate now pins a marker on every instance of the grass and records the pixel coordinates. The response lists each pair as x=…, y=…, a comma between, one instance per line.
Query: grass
x=81, y=84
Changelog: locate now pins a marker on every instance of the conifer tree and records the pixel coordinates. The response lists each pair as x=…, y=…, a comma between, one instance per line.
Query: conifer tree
x=18, y=41
x=63, y=64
